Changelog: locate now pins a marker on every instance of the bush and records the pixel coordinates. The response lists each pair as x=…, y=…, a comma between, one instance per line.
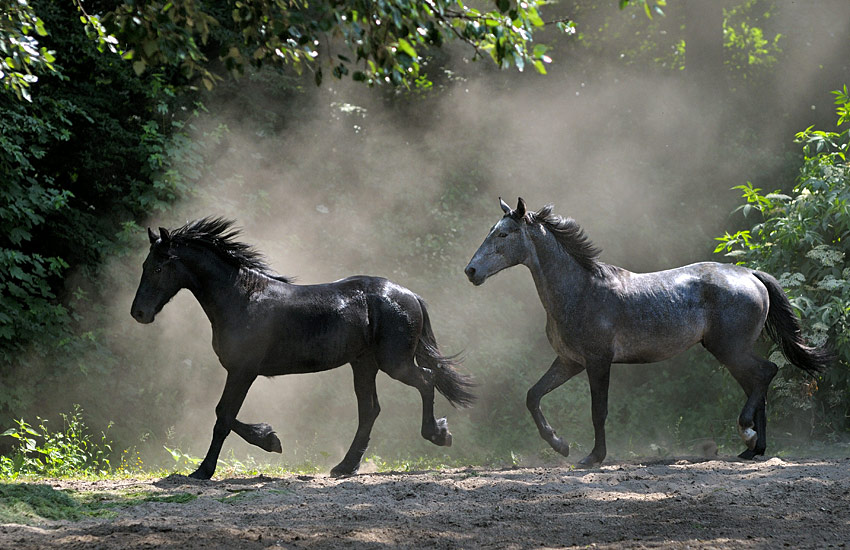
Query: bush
x=804, y=240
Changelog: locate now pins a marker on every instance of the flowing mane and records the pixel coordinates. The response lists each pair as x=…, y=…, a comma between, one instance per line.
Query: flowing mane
x=571, y=237
x=219, y=236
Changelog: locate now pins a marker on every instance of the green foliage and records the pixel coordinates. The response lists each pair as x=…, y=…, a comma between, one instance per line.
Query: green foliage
x=648, y=7
x=22, y=58
x=804, y=240
x=746, y=45
x=70, y=451
x=748, y=50
x=842, y=102
x=97, y=149
x=374, y=42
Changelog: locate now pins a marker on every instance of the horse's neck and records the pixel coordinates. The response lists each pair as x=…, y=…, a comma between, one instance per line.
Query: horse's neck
x=560, y=280
x=216, y=287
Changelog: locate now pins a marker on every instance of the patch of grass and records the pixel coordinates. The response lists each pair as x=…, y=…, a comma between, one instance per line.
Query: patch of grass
x=34, y=503
x=30, y=503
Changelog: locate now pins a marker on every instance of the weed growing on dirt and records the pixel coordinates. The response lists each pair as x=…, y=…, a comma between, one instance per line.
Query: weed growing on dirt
x=230, y=465
x=69, y=451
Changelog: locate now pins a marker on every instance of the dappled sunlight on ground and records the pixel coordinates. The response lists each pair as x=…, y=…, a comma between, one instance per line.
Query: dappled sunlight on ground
x=674, y=503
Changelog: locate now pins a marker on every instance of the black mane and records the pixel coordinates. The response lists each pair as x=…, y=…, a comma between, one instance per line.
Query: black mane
x=219, y=235
x=571, y=237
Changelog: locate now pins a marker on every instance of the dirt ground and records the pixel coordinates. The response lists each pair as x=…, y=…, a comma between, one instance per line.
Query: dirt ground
x=678, y=503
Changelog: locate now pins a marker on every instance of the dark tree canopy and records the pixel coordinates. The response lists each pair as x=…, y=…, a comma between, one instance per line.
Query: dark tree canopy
x=373, y=41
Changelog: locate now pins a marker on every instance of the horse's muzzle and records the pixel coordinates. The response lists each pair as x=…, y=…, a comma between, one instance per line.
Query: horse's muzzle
x=473, y=276
x=141, y=316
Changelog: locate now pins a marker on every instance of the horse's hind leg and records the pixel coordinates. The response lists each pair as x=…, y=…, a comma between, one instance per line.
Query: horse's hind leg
x=406, y=371
x=368, y=409
x=558, y=373
x=754, y=374
x=599, y=375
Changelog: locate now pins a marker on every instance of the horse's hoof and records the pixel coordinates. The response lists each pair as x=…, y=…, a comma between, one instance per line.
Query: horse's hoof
x=561, y=447
x=198, y=474
x=263, y=436
x=751, y=454
x=341, y=470
x=442, y=437
x=589, y=461
x=272, y=444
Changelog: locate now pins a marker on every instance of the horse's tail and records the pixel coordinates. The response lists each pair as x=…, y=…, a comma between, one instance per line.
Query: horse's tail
x=454, y=385
x=783, y=327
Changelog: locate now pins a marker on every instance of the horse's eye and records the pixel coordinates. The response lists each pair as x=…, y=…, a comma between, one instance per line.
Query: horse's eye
x=157, y=269
x=503, y=235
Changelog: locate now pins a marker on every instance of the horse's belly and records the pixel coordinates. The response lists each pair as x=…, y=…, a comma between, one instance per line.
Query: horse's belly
x=649, y=346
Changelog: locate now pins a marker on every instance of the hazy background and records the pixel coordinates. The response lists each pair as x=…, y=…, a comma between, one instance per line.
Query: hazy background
x=344, y=180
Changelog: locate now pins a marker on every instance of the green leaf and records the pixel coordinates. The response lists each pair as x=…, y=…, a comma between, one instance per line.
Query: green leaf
x=150, y=47
x=405, y=46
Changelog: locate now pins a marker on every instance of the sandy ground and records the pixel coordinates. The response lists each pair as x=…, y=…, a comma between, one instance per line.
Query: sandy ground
x=679, y=503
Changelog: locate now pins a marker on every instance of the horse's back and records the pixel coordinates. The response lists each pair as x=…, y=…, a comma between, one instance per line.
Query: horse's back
x=666, y=312
x=387, y=304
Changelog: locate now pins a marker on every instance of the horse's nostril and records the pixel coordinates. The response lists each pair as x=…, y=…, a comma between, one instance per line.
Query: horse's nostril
x=470, y=271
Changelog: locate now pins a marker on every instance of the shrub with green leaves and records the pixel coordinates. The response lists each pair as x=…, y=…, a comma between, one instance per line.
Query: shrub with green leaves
x=69, y=451
x=804, y=240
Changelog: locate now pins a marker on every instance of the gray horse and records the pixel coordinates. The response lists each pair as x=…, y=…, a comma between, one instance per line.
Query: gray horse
x=598, y=314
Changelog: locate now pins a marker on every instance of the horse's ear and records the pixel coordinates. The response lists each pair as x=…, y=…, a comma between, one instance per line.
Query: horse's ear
x=163, y=234
x=152, y=236
x=519, y=213
x=505, y=208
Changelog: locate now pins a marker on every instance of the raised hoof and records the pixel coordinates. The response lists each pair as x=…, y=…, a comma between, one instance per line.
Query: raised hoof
x=271, y=443
x=263, y=436
x=561, y=447
x=342, y=470
x=443, y=436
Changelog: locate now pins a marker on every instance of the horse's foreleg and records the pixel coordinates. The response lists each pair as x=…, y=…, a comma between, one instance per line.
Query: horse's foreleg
x=367, y=411
x=558, y=373
x=599, y=375
x=235, y=390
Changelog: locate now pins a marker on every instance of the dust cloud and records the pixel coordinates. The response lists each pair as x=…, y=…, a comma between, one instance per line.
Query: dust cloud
x=356, y=181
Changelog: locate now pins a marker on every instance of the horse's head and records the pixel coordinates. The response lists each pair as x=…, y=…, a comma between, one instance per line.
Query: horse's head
x=502, y=248
x=162, y=276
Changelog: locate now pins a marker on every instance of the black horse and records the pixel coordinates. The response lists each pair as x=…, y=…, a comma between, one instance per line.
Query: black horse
x=263, y=324
x=598, y=314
